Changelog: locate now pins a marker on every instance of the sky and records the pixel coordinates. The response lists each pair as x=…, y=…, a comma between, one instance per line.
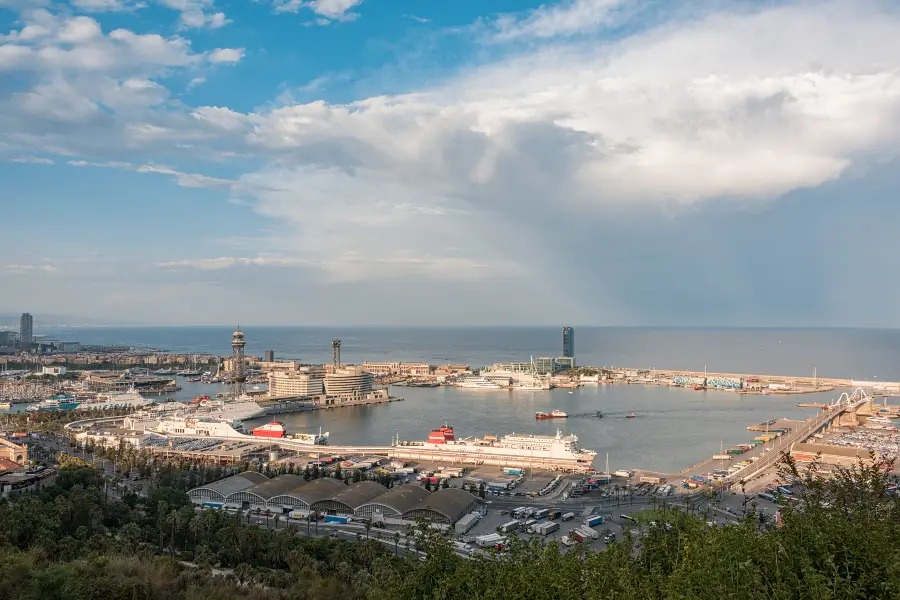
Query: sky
x=423, y=162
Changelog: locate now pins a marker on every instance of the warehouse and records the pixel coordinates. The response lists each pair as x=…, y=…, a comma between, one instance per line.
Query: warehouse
x=443, y=506
x=830, y=455
x=316, y=491
x=214, y=494
x=347, y=500
x=260, y=496
x=394, y=503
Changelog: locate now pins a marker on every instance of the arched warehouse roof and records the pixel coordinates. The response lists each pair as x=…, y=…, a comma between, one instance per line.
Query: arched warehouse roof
x=259, y=495
x=394, y=502
x=218, y=491
x=446, y=506
x=347, y=500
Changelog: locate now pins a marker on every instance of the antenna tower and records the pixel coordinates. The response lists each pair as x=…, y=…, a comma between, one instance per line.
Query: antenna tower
x=238, y=373
x=336, y=353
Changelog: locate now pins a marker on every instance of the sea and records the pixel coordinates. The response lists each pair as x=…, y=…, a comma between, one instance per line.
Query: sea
x=673, y=428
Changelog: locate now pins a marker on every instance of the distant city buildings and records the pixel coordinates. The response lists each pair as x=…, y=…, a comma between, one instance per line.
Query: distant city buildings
x=26, y=329
x=382, y=369
x=269, y=356
x=568, y=342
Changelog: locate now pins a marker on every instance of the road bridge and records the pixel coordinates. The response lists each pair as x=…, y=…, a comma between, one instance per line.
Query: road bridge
x=847, y=404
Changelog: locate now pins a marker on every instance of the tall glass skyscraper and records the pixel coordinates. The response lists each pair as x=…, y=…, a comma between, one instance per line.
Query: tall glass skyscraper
x=26, y=324
x=568, y=342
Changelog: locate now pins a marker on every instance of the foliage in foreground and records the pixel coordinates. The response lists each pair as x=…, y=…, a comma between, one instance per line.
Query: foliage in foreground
x=838, y=542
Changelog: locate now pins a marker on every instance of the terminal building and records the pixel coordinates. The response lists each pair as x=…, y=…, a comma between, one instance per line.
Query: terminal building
x=291, y=494
x=349, y=382
x=296, y=383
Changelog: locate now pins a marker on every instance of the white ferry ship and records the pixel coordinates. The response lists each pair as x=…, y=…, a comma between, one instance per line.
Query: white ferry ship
x=276, y=430
x=478, y=383
x=240, y=409
x=200, y=427
x=524, y=446
x=62, y=402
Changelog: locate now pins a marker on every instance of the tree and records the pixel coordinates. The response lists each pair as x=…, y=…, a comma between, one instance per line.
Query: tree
x=481, y=491
x=428, y=484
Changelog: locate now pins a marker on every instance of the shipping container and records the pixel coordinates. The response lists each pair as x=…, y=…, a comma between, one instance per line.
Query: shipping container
x=587, y=532
x=486, y=541
x=465, y=524
x=337, y=519
x=594, y=521
x=721, y=457
x=648, y=479
x=509, y=526
x=512, y=471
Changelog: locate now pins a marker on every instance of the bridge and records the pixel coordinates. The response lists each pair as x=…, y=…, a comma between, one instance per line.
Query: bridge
x=846, y=407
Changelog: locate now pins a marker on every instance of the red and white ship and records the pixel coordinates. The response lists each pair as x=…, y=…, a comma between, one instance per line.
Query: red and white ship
x=556, y=414
x=559, y=448
x=275, y=429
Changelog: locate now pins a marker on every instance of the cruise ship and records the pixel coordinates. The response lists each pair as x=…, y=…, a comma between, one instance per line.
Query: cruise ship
x=522, y=446
x=478, y=383
x=61, y=402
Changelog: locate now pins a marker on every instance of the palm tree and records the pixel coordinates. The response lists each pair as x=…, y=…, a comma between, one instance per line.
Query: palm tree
x=368, y=527
x=277, y=518
x=396, y=542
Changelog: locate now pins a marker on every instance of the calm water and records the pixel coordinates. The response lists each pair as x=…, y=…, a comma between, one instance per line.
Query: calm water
x=848, y=353
x=675, y=427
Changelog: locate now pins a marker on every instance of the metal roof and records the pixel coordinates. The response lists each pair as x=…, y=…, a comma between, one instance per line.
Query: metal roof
x=235, y=483
x=827, y=450
x=402, y=498
x=359, y=493
x=320, y=489
x=451, y=502
x=282, y=485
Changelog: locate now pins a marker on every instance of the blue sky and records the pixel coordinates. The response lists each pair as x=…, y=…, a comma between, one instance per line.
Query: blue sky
x=620, y=162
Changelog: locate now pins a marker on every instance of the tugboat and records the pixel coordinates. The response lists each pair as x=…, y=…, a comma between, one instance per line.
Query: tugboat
x=556, y=414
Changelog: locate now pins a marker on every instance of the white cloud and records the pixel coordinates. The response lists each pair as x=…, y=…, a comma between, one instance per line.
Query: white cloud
x=31, y=160
x=182, y=179
x=327, y=10
x=226, y=55
x=24, y=269
x=97, y=6
x=570, y=17
x=197, y=13
x=417, y=18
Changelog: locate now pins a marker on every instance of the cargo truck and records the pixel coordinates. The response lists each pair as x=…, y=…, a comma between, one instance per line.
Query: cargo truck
x=542, y=513
x=567, y=541
x=486, y=541
x=547, y=528
x=512, y=471
x=340, y=519
x=587, y=532
x=510, y=526
x=465, y=524
x=594, y=521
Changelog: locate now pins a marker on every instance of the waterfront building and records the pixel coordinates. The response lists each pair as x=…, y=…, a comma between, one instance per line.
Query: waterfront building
x=568, y=342
x=381, y=369
x=549, y=365
x=514, y=367
x=349, y=382
x=296, y=383
x=26, y=329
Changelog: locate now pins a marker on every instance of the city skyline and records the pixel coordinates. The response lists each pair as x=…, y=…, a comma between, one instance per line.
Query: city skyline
x=599, y=162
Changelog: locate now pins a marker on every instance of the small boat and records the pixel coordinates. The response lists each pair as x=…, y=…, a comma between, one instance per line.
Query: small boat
x=556, y=414
x=630, y=416
x=698, y=387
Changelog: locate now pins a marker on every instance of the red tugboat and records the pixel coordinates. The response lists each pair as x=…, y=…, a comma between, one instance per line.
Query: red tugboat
x=556, y=414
